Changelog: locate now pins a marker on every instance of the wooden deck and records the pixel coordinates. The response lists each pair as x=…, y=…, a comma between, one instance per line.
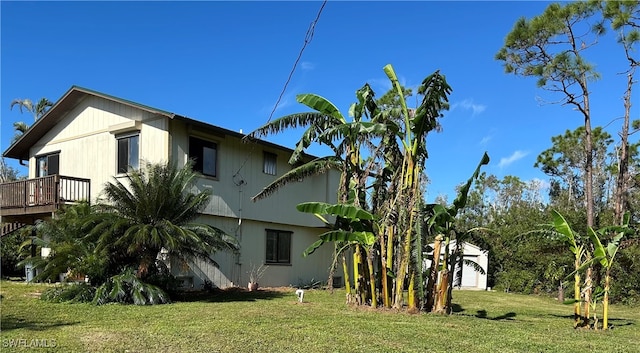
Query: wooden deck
x=42, y=195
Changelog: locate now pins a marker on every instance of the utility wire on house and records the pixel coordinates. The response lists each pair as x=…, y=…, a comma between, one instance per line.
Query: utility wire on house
x=307, y=39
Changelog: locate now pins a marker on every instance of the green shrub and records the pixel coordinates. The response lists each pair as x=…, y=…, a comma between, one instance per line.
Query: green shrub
x=74, y=293
x=625, y=283
x=126, y=288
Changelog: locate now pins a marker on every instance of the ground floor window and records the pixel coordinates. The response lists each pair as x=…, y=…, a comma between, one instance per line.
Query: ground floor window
x=278, y=247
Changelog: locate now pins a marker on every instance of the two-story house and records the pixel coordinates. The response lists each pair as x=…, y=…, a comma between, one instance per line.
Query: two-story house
x=88, y=138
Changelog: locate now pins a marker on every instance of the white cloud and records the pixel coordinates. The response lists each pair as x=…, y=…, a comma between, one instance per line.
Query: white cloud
x=540, y=184
x=288, y=99
x=515, y=156
x=380, y=85
x=468, y=104
x=307, y=66
x=485, y=140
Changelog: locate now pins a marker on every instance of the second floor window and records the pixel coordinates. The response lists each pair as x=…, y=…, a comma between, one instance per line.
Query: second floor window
x=205, y=156
x=47, y=165
x=270, y=160
x=128, y=156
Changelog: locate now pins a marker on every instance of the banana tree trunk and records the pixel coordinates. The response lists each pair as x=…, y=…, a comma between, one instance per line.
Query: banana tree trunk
x=576, y=296
x=383, y=273
x=357, y=261
x=443, y=285
x=587, y=296
x=433, y=274
x=347, y=280
x=452, y=271
x=372, y=278
x=605, y=301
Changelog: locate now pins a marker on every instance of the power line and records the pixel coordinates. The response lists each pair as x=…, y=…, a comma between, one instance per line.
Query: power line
x=307, y=39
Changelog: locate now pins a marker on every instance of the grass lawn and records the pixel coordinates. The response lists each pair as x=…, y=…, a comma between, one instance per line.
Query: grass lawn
x=273, y=321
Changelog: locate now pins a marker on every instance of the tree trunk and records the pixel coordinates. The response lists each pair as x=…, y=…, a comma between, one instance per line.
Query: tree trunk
x=347, y=280
x=372, y=278
x=605, y=301
x=623, y=162
x=576, y=296
x=587, y=296
x=432, y=287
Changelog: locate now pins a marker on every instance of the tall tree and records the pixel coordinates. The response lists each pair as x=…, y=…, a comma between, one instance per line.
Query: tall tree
x=551, y=47
x=624, y=17
x=564, y=162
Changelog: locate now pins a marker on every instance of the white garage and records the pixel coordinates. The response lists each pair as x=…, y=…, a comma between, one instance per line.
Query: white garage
x=471, y=278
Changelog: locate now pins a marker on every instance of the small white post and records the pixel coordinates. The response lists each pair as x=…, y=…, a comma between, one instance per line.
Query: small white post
x=300, y=294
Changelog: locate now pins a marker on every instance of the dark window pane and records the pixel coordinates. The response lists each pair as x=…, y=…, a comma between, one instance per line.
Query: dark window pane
x=123, y=155
x=269, y=166
x=133, y=160
x=205, y=156
x=284, y=247
x=209, y=161
x=53, y=164
x=272, y=247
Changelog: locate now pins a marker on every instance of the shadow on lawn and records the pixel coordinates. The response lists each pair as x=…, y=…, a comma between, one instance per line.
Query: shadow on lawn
x=612, y=321
x=482, y=314
x=233, y=294
x=11, y=323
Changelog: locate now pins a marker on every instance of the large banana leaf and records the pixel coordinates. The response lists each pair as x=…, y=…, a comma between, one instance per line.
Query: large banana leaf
x=341, y=210
x=391, y=74
x=461, y=200
x=562, y=226
x=599, y=252
x=363, y=238
x=435, y=90
x=361, y=130
x=320, y=104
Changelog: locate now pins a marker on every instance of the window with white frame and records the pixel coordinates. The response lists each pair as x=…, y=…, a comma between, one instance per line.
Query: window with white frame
x=128, y=152
x=269, y=165
x=205, y=156
x=278, y=250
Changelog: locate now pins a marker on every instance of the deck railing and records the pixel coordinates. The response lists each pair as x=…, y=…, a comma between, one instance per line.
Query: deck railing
x=40, y=194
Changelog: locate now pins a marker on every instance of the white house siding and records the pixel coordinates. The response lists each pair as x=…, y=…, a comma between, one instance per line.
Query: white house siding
x=88, y=145
x=240, y=177
x=86, y=139
x=232, y=269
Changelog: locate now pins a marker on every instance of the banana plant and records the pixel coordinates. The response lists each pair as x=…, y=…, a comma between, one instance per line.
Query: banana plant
x=440, y=222
x=577, y=248
x=354, y=226
x=606, y=256
x=412, y=134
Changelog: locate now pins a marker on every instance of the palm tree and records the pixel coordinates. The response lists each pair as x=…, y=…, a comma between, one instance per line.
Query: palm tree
x=155, y=210
x=37, y=110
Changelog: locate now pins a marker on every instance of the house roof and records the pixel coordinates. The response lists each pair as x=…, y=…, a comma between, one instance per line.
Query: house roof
x=20, y=148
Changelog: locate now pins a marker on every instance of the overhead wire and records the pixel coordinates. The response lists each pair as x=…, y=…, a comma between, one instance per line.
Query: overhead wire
x=307, y=39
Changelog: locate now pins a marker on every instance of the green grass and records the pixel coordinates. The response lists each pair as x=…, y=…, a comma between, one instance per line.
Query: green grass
x=273, y=321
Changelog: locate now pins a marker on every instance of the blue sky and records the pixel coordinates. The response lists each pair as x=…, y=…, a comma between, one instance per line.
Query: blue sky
x=226, y=63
